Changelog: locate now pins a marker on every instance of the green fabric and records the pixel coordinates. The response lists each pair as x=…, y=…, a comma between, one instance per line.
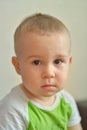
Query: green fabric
x=56, y=119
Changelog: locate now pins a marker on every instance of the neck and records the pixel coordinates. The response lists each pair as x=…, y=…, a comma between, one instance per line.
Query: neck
x=46, y=101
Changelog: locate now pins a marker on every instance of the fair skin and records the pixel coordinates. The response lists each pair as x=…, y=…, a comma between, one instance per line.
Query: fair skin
x=43, y=62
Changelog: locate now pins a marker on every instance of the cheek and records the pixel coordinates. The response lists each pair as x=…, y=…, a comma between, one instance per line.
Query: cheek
x=62, y=76
x=30, y=77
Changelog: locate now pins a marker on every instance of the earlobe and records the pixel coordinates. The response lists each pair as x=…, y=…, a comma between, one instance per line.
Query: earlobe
x=16, y=64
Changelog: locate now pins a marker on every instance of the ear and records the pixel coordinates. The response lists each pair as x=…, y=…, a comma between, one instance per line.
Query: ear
x=16, y=64
x=70, y=59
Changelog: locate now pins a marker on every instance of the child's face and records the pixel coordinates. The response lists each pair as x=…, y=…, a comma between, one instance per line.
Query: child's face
x=43, y=63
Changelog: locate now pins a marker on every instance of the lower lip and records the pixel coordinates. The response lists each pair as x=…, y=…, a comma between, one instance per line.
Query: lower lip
x=48, y=87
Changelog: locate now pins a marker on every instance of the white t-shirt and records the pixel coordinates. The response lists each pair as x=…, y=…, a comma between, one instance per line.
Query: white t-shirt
x=14, y=110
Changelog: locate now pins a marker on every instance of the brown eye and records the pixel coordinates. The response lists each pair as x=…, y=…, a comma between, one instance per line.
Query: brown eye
x=36, y=62
x=58, y=61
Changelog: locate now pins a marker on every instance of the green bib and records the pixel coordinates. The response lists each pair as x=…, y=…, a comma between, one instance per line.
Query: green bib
x=56, y=119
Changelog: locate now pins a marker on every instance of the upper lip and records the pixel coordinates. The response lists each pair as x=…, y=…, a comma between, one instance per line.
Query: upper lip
x=49, y=85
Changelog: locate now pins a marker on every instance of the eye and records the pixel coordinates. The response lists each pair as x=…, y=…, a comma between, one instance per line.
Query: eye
x=36, y=62
x=58, y=61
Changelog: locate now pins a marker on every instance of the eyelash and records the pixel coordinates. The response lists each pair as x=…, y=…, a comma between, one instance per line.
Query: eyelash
x=57, y=61
x=36, y=62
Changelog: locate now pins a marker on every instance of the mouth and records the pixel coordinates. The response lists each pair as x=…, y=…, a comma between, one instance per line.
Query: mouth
x=49, y=87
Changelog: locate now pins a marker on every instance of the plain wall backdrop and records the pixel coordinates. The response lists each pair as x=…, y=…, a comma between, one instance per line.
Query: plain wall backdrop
x=72, y=12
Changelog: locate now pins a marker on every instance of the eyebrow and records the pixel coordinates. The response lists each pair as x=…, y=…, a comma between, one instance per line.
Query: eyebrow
x=37, y=56
x=34, y=56
x=64, y=55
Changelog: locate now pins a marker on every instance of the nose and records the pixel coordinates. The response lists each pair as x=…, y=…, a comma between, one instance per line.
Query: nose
x=48, y=72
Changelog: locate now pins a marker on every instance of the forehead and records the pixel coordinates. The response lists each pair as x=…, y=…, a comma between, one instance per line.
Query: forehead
x=36, y=42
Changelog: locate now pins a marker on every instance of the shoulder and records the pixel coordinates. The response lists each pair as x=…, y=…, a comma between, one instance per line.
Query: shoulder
x=75, y=116
x=14, y=99
x=67, y=97
x=13, y=110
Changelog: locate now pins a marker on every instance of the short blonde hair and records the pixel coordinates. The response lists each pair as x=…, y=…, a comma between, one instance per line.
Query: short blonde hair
x=41, y=24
